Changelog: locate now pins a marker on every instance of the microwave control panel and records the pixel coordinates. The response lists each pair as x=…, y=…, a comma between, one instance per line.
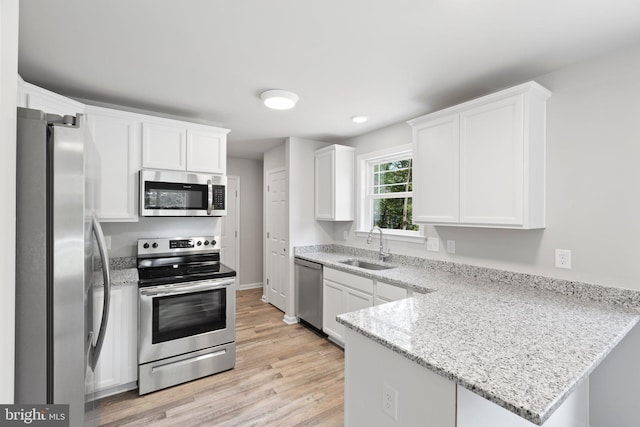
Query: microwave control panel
x=218, y=197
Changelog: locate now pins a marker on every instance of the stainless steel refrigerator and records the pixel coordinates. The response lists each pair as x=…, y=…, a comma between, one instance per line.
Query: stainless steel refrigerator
x=57, y=343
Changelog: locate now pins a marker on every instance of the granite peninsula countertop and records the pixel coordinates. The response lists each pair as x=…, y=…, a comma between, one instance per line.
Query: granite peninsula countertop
x=520, y=341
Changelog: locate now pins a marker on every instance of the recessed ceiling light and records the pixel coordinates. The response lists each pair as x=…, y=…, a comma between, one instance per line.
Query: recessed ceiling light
x=279, y=99
x=359, y=119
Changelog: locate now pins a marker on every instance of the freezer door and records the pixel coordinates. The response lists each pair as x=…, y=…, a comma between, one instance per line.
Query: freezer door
x=69, y=226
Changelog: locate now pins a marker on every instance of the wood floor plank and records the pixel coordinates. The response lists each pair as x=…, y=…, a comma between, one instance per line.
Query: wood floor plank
x=285, y=375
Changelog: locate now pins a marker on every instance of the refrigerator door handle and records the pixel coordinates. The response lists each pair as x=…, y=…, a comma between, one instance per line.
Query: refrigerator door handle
x=97, y=348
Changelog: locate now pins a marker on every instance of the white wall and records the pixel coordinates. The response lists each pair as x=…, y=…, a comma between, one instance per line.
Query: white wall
x=8, y=93
x=303, y=228
x=593, y=182
x=125, y=235
x=251, y=187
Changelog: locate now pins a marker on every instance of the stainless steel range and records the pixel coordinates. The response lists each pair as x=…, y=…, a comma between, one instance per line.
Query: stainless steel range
x=187, y=311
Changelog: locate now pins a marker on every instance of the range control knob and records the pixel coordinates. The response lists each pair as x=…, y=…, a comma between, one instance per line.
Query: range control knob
x=199, y=243
x=213, y=243
x=206, y=243
x=155, y=245
x=146, y=246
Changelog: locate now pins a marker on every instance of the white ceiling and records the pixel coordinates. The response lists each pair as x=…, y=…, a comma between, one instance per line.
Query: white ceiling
x=208, y=60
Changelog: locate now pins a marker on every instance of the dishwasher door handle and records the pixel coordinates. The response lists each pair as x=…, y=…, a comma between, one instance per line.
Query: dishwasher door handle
x=308, y=264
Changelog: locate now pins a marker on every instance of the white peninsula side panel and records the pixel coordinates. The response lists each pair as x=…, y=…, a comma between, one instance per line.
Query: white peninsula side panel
x=422, y=397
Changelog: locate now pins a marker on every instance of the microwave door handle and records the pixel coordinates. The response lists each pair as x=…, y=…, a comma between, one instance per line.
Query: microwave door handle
x=209, y=196
x=97, y=348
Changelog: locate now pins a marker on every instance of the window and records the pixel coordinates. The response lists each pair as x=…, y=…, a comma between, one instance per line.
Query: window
x=386, y=192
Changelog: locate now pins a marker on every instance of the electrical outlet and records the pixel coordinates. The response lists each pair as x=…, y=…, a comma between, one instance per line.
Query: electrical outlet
x=345, y=234
x=451, y=246
x=563, y=258
x=390, y=401
x=107, y=242
x=433, y=244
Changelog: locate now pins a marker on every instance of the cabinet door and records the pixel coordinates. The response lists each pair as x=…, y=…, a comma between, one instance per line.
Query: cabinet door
x=164, y=146
x=108, y=371
x=386, y=292
x=117, y=368
x=333, y=304
x=325, y=184
x=356, y=300
x=492, y=162
x=117, y=139
x=435, y=175
x=206, y=151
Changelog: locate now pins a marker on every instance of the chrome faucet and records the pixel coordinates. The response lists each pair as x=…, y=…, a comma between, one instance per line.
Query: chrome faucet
x=382, y=254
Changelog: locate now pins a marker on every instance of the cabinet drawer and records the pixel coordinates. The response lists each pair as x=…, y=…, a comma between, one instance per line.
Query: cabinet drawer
x=351, y=280
x=390, y=292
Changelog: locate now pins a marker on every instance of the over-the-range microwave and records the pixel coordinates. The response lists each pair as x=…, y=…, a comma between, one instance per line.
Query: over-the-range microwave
x=174, y=193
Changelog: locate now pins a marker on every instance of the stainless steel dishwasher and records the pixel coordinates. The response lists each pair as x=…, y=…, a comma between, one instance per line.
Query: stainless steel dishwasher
x=309, y=292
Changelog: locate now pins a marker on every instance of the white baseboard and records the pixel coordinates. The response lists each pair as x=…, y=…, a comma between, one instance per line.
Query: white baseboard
x=290, y=320
x=115, y=390
x=244, y=286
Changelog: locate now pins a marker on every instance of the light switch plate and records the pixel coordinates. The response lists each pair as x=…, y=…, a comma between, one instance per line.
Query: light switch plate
x=433, y=244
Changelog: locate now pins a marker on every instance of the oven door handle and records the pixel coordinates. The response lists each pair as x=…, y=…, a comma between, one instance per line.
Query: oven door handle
x=207, y=286
x=209, y=196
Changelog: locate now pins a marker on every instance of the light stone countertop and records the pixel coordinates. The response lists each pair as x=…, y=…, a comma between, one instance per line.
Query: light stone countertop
x=119, y=277
x=519, y=345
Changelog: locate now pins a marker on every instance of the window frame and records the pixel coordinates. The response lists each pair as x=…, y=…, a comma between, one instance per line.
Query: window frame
x=365, y=194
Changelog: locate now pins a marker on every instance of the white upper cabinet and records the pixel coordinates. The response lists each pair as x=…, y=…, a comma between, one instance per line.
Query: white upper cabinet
x=482, y=163
x=169, y=144
x=164, y=147
x=206, y=151
x=436, y=155
x=117, y=138
x=334, y=183
x=31, y=96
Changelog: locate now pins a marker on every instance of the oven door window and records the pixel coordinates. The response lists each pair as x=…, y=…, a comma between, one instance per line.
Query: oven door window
x=170, y=195
x=185, y=315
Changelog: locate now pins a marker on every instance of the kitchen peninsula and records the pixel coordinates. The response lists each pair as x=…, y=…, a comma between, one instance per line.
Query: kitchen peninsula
x=499, y=348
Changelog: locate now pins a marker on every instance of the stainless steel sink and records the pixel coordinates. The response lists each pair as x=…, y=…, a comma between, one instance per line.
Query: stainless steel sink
x=366, y=265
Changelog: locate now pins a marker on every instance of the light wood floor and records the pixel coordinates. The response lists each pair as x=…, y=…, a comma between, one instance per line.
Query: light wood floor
x=284, y=376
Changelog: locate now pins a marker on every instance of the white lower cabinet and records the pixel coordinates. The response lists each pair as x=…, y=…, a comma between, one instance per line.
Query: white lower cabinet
x=117, y=368
x=345, y=292
x=333, y=304
x=386, y=292
x=342, y=293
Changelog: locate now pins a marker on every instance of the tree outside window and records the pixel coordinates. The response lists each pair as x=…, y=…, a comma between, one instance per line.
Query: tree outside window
x=391, y=194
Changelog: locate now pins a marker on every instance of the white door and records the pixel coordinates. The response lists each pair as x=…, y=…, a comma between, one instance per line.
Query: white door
x=229, y=246
x=277, y=257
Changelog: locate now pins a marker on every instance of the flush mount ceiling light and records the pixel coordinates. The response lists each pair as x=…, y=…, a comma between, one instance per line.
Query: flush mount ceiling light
x=359, y=119
x=279, y=99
